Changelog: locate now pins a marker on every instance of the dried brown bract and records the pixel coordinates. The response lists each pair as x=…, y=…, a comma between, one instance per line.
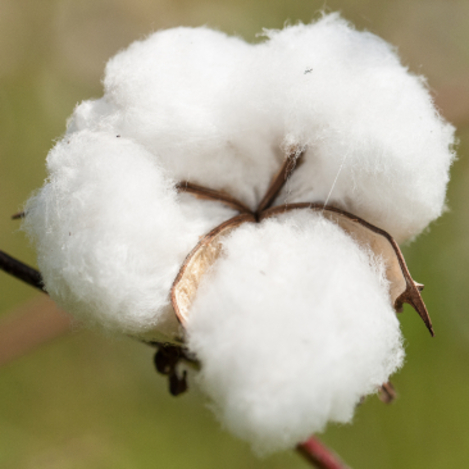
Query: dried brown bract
x=402, y=288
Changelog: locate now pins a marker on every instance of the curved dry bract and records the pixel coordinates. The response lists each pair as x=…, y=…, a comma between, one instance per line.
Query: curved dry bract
x=200, y=259
x=402, y=288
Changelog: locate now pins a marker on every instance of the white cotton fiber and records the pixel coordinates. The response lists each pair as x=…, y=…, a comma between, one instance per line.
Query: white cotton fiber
x=293, y=326
x=294, y=323
x=220, y=112
x=376, y=145
x=186, y=95
x=112, y=234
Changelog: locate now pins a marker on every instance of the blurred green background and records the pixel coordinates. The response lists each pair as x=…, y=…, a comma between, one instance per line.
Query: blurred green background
x=88, y=401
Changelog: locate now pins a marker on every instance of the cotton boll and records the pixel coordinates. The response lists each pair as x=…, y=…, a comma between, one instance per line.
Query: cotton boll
x=110, y=233
x=376, y=145
x=192, y=104
x=292, y=326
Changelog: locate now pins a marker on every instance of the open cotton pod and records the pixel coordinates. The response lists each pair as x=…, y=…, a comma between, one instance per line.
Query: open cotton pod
x=301, y=288
x=402, y=288
x=246, y=202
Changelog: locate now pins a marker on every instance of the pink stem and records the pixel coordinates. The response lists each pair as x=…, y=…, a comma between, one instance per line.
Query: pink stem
x=320, y=455
x=31, y=325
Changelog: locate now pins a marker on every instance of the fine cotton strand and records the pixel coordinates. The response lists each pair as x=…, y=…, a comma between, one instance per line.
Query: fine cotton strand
x=293, y=324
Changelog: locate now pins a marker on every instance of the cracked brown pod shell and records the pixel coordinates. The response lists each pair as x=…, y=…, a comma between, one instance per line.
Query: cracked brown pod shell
x=199, y=260
x=402, y=288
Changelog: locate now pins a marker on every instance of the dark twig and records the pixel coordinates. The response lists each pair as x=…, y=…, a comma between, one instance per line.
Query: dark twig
x=387, y=393
x=21, y=271
x=320, y=455
x=167, y=359
x=18, y=215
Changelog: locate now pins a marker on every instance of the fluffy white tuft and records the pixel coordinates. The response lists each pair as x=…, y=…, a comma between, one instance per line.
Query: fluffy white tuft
x=293, y=326
x=376, y=145
x=112, y=233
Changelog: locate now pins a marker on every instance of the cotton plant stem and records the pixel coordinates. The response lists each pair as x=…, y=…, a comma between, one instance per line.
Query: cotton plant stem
x=320, y=455
x=21, y=271
x=30, y=325
x=33, y=324
x=18, y=215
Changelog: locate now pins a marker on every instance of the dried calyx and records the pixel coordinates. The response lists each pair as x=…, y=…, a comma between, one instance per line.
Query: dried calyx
x=402, y=288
